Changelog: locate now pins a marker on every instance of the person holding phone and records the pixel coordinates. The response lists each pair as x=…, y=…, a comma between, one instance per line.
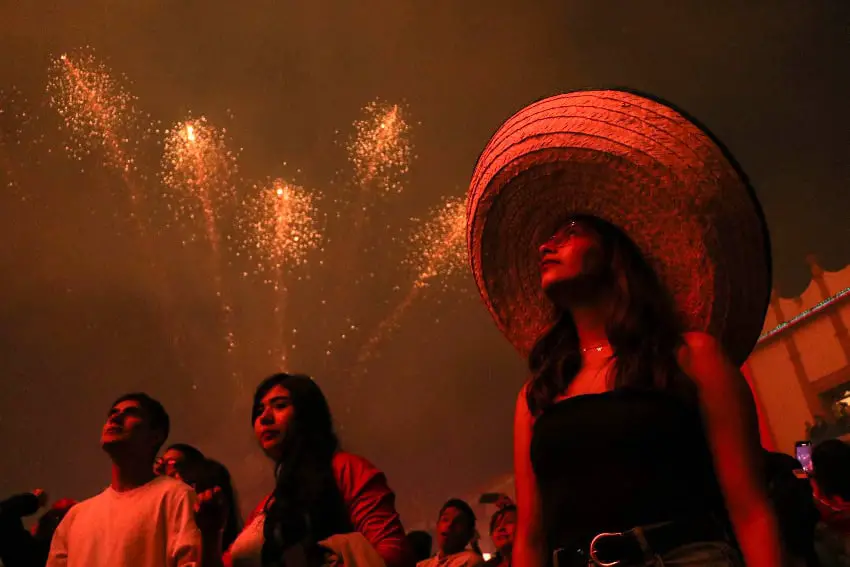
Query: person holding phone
x=620, y=248
x=803, y=452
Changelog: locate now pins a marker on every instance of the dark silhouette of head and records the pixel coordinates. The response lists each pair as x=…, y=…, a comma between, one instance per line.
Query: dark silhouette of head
x=831, y=465
x=793, y=502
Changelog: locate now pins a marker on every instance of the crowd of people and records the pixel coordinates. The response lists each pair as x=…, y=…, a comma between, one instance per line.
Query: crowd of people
x=181, y=506
x=620, y=248
x=327, y=506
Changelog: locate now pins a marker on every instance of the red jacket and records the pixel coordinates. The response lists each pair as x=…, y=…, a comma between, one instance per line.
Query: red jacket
x=371, y=506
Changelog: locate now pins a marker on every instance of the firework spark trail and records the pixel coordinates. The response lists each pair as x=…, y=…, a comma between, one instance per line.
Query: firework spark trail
x=281, y=228
x=203, y=195
x=381, y=150
x=102, y=117
x=9, y=128
x=18, y=135
x=226, y=306
x=280, y=293
x=439, y=247
x=387, y=326
x=99, y=114
x=437, y=251
x=198, y=169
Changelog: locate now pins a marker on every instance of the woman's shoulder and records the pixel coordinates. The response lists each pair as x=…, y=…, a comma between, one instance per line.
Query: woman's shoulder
x=344, y=459
x=699, y=344
x=522, y=397
x=353, y=470
x=701, y=354
x=258, y=510
x=357, y=478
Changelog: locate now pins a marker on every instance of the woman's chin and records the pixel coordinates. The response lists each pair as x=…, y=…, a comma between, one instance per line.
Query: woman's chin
x=552, y=284
x=271, y=449
x=563, y=289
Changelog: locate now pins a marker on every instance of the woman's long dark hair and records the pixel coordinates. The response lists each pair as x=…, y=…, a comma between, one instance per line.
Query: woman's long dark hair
x=306, y=505
x=643, y=328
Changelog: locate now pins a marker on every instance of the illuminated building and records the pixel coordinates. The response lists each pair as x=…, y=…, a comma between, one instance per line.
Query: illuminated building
x=800, y=368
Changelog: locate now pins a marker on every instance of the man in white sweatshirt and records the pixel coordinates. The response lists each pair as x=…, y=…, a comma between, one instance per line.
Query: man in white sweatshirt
x=141, y=519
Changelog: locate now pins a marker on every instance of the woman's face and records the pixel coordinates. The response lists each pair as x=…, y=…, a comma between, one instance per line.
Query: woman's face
x=503, y=531
x=574, y=251
x=273, y=415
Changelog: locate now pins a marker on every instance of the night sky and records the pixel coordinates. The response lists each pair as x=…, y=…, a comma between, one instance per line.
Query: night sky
x=102, y=296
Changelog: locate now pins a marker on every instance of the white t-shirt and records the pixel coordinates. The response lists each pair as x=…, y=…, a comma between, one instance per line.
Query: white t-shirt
x=247, y=549
x=150, y=526
x=465, y=558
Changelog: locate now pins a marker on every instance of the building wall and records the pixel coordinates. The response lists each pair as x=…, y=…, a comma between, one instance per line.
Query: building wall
x=804, y=351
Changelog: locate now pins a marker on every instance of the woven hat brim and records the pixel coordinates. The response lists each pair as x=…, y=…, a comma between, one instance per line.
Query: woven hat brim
x=642, y=166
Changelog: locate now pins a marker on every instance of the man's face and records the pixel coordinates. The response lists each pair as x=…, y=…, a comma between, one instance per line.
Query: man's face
x=128, y=426
x=453, y=531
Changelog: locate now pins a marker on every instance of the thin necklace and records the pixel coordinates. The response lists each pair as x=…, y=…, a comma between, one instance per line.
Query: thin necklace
x=597, y=348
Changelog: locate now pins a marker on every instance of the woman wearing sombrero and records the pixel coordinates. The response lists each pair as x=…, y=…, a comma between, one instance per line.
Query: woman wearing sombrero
x=620, y=248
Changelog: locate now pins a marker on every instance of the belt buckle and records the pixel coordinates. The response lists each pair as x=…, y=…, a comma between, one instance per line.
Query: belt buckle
x=592, y=549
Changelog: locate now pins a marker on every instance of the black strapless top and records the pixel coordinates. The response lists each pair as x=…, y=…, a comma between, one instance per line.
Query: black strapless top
x=626, y=458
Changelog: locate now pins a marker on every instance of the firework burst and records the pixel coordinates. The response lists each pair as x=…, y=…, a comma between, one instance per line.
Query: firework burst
x=380, y=149
x=281, y=226
x=198, y=168
x=437, y=249
x=97, y=110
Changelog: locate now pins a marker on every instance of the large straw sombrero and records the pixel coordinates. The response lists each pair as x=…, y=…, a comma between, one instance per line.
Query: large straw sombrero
x=642, y=166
